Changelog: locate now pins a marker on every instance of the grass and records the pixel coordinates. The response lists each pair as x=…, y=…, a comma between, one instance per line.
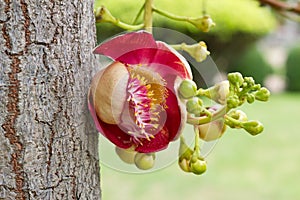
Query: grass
x=240, y=166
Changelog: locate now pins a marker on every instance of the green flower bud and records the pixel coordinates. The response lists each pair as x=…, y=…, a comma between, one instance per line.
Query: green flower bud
x=235, y=78
x=203, y=23
x=103, y=15
x=238, y=115
x=220, y=92
x=263, y=94
x=250, y=98
x=187, y=88
x=233, y=101
x=126, y=155
x=194, y=105
x=197, y=51
x=250, y=82
x=253, y=127
x=198, y=167
x=144, y=161
x=184, y=164
x=212, y=130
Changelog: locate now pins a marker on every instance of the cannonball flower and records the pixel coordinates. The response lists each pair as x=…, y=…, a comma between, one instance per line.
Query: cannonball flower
x=134, y=101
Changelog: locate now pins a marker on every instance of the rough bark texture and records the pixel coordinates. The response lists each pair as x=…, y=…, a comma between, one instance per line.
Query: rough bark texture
x=48, y=145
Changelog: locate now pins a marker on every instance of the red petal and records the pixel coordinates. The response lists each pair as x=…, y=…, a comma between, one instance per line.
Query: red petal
x=170, y=62
x=114, y=134
x=174, y=116
x=141, y=48
x=110, y=131
x=126, y=43
x=158, y=143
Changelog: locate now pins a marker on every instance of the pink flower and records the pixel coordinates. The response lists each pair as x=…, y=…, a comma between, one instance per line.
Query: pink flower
x=134, y=101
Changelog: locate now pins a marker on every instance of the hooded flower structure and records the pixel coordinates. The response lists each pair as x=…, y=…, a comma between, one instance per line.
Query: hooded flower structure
x=134, y=101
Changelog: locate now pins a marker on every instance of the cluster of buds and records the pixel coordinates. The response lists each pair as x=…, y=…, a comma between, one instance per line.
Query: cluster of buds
x=244, y=89
x=191, y=160
x=210, y=122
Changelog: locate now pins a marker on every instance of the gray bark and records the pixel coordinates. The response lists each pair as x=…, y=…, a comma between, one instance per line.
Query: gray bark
x=48, y=144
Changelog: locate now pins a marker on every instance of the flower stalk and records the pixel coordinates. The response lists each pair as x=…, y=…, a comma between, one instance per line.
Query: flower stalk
x=203, y=23
x=102, y=14
x=148, y=15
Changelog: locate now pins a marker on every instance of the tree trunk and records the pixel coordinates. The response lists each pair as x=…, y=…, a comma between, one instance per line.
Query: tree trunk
x=48, y=145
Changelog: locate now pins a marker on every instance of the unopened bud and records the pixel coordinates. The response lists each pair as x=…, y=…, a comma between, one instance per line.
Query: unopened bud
x=235, y=78
x=250, y=98
x=194, y=105
x=238, y=115
x=253, y=127
x=144, y=161
x=198, y=167
x=184, y=165
x=220, y=92
x=103, y=15
x=250, y=81
x=233, y=101
x=126, y=155
x=203, y=23
x=263, y=94
x=187, y=88
x=197, y=51
x=212, y=130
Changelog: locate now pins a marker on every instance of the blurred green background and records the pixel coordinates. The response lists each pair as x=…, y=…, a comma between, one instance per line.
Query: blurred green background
x=255, y=41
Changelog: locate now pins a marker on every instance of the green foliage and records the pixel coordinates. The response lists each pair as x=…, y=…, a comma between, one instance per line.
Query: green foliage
x=293, y=69
x=231, y=16
x=252, y=63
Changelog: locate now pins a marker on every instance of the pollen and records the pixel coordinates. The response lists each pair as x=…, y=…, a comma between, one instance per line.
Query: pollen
x=147, y=95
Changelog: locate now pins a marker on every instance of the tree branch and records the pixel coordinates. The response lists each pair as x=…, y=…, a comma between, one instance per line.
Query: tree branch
x=281, y=6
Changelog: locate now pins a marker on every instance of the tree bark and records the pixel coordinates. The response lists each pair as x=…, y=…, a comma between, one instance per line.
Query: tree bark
x=48, y=144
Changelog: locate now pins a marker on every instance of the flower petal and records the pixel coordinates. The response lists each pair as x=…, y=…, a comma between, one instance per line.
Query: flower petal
x=123, y=44
x=110, y=131
x=108, y=90
x=171, y=62
x=176, y=112
x=141, y=48
x=158, y=143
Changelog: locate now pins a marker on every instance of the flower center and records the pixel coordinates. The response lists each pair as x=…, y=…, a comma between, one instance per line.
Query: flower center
x=147, y=101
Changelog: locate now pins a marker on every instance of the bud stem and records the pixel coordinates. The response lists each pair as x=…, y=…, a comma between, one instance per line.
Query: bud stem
x=148, y=15
x=102, y=14
x=170, y=15
x=206, y=119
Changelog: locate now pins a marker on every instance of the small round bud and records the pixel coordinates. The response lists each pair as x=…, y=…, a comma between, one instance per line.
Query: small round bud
x=194, y=105
x=238, y=115
x=198, y=167
x=126, y=155
x=250, y=98
x=144, y=161
x=253, y=127
x=263, y=94
x=250, y=81
x=187, y=88
x=236, y=78
x=233, y=101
